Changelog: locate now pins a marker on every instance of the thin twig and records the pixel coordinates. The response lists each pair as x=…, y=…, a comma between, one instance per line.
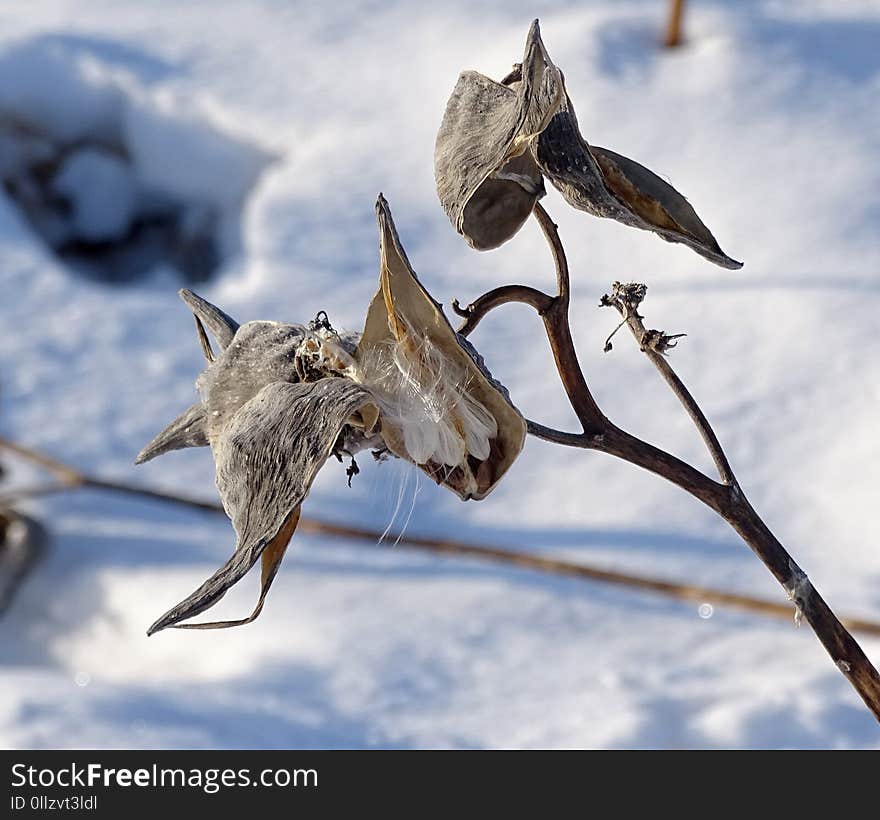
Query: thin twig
x=726, y=499
x=71, y=478
x=626, y=298
x=511, y=557
x=64, y=473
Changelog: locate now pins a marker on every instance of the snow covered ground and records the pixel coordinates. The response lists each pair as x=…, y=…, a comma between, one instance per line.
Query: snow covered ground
x=289, y=118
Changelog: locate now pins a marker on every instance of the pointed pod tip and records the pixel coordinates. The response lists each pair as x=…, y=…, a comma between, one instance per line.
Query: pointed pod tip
x=223, y=327
x=726, y=261
x=189, y=297
x=157, y=626
x=535, y=54
x=148, y=453
x=383, y=214
x=534, y=35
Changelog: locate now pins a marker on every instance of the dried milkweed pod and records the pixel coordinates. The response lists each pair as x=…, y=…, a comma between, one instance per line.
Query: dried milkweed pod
x=487, y=179
x=607, y=184
x=270, y=431
x=279, y=399
x=441, y=408
x=488, y=126
x=267, y=457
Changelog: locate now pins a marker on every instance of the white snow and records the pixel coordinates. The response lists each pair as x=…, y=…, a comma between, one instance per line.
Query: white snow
x=768, y=122
x=98, y=154
x=101, y=190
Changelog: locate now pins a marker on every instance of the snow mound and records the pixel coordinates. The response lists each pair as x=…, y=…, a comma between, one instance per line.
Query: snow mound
x=118, y=180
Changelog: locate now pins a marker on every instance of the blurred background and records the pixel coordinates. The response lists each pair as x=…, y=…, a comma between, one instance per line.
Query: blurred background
x=237, y=147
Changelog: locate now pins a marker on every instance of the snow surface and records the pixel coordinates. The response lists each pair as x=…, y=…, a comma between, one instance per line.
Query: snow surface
x=116, y=174
x=101, y=191
x=768, y=121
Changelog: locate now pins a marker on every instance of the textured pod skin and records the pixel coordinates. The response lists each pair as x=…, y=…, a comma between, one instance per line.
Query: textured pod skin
x=267, y=455
x=223, y=327
x=271, y=423
x=497, y=142
x=256, y=354
x=487, y=181
x=279, y=399
x=607, y=184
x=401, y=294
x=260, y=353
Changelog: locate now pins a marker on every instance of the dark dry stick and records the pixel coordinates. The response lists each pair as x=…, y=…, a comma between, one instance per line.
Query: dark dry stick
x=553, y=310
x=734, y=507
x=669, y=589
x=654, y=344
x=673, y=36
x=537, y=299
x=725, y=498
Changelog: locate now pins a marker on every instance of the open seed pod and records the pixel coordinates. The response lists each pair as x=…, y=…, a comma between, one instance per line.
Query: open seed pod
x=487, y=180
x=496, y=142
x=440, y=408
x=267, y=456
x=271, y=421
x=279, y=399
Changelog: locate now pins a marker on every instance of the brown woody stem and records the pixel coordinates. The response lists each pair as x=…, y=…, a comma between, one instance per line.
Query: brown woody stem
x=654, y=344
x=673, y=36
x=475, y=311
x=725, y=497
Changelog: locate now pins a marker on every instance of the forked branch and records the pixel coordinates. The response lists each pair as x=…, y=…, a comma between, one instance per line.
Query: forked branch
x=626, y=298
x=725, y=497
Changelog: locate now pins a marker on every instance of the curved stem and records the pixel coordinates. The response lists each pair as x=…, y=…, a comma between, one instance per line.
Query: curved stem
x=726, y=499
x=474, y=312
x=553, y=310
x=729, y=502
x=551, y=233
x=733, y=506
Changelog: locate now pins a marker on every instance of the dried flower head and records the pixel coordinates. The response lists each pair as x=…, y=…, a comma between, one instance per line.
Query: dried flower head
x=280, y=399
x=498, y=141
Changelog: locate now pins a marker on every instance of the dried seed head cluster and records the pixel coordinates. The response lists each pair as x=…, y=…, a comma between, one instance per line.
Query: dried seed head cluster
x=280, y=399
